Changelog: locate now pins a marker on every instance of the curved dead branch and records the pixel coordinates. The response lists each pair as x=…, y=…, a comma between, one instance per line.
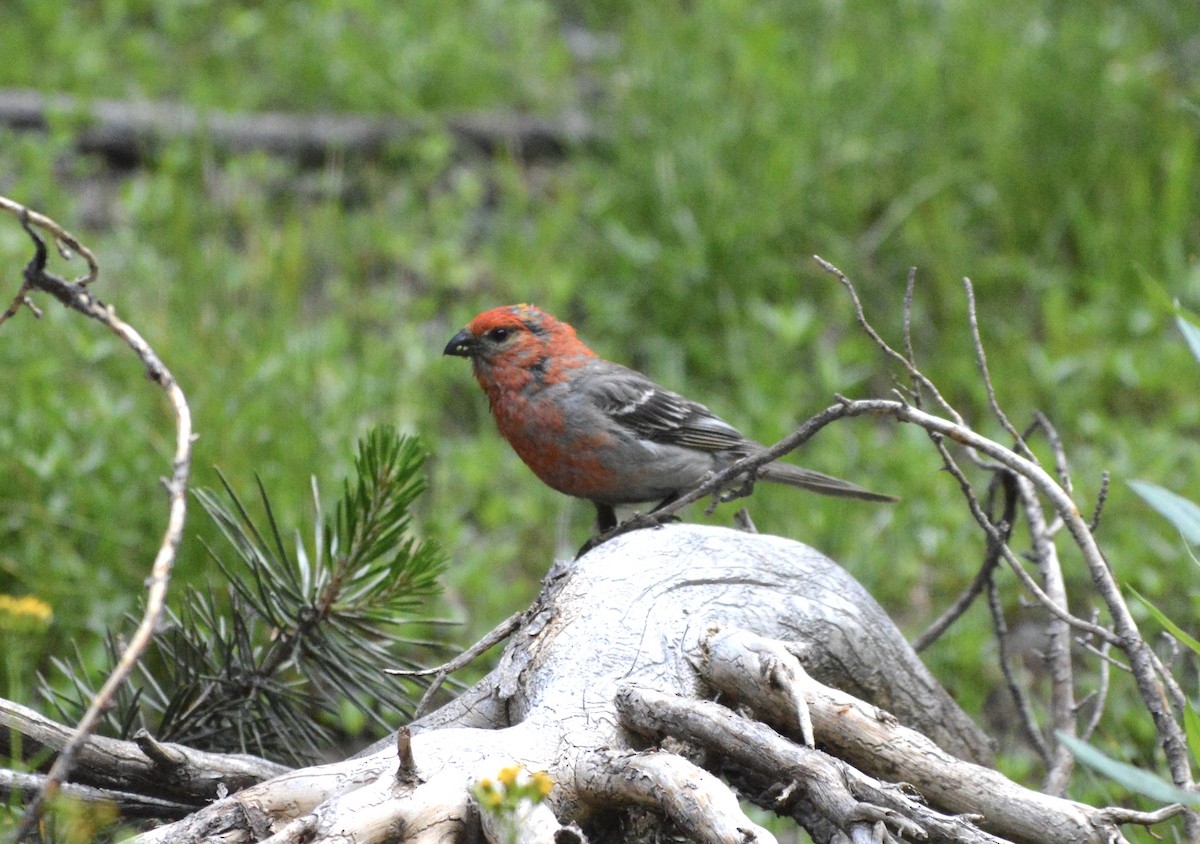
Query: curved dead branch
x=77, y=296
x=177, y=775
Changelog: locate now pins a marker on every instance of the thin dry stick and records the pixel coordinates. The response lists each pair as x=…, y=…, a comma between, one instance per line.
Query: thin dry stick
x=991, y=559
x=1061, y=467
x=1015, y=690
x=902, y=412
x=736, y=473
x=74, y=294
x=21, y=299
x=1120, y=815
x=1061, y=470
x=1101, y=500
x=1102, y=653
x=497, y=635
x=909, y=291
x=64, y=241
x=981, y=361
x=1007, y=553
x=997, y=543
x=1058, y=640
x=915, y=374
x=919, y=379
x=1101, y=695
x=1144, y=663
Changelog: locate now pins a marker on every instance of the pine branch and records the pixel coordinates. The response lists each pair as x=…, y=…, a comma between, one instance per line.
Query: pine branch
x=266, y=667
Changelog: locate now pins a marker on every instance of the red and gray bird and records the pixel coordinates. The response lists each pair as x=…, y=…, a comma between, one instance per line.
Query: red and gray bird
x=597, y=430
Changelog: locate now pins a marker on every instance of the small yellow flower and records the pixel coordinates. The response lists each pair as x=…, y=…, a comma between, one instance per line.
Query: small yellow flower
x=542, y=784
x=27, y=614
x=509, y=775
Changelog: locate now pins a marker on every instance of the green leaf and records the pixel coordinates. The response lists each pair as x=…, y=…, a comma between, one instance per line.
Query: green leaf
x=1171, y=627
x=1157, y=293
x=1133, y=778
x=1191, y=724
x=1191, y=332
x=1179, y=511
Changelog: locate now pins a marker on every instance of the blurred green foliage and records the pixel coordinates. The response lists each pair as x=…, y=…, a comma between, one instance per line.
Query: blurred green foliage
x=1047, y=150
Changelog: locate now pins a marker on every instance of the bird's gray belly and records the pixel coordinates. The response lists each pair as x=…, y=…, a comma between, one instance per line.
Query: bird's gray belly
x=654, y=471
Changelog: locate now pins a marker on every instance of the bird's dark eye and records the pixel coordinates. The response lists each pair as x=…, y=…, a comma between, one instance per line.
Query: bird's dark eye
x=498, y=334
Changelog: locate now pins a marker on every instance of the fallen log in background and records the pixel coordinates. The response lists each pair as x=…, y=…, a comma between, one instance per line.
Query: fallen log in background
x=125, y=132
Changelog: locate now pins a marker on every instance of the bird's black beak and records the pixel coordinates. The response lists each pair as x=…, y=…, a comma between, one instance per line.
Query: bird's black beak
x=462, y=344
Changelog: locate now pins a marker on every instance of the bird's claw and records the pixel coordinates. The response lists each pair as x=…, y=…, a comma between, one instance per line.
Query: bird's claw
x=637, y=521
x=744, y=491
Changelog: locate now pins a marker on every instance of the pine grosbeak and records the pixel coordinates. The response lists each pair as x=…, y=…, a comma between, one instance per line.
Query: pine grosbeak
x=601, y=431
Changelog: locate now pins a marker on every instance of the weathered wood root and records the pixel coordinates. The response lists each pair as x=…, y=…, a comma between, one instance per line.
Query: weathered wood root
x=700, y=805
x=767, y=676
x=145, y=778
x=608, y=685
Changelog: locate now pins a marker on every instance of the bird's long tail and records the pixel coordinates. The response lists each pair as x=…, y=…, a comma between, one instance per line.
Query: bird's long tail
x=786, y=473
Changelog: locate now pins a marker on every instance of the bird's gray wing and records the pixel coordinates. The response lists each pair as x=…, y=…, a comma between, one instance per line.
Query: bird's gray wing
x=652, y=413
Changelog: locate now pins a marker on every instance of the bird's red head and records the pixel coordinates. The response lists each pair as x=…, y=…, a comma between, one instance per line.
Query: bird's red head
x=517, y=337
x=515, y=318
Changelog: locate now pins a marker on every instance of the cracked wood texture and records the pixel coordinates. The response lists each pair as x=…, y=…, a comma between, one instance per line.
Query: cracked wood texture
x=662, y=590
x=635, y=611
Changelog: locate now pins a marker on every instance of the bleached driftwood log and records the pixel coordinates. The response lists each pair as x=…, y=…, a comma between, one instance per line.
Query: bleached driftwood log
x=620, y=685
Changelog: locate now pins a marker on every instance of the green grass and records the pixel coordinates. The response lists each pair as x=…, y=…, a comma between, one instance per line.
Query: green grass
x=1048, y=151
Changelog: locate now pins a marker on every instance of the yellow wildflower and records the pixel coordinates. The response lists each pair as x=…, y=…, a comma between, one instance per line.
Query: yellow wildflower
x=542, y=784
x=26, y=614
x=509, y=775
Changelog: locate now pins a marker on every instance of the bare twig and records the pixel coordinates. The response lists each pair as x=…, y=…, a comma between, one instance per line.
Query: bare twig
x=497, y=635
x=1102, y=653
x=991, y=559
x=981, y=360
x=918, y=377
x=1100, y=694
x=75, y=295
x=65, y=242
x=20, y=300
x=1058, y=636
x=1006, y=552
x=909, y=290
x=1061, y=467
x=1120, y=815
x=1016, y=690
x=1101, y=500
x=724, y=479
x=1158, y=695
